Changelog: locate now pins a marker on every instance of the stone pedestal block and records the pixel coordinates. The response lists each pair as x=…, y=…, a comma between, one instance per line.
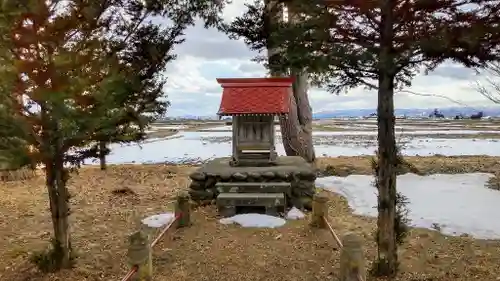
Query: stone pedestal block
x=289, y=169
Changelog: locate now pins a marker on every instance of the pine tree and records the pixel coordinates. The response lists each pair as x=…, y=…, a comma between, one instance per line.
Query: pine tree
x=257, y=27
x=76, y=73
x=380, y=45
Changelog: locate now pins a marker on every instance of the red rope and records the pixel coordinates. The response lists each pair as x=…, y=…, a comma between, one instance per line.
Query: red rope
x=134, y=268
x=337, y=239
x=177, y=216
x=130, y=273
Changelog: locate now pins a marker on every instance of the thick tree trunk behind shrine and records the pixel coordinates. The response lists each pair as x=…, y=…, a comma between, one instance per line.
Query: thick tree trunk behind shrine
x=296, y=127
x=387, y=150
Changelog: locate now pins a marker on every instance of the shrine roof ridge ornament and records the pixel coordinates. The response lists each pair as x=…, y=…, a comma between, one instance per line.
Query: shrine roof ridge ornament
x=255, y=96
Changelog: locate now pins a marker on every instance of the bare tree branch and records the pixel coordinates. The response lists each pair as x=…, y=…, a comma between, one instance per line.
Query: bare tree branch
x=490, y=89
x=434, y=95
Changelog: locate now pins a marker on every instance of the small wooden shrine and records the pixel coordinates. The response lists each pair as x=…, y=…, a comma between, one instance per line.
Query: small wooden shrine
x=254, y=178
x=253, y=104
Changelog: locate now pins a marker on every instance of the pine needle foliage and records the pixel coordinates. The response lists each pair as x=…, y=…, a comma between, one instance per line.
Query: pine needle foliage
x=78, y=72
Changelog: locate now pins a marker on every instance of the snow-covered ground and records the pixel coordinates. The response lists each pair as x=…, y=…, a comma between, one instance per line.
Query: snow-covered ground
x=397, y=127
x=159, y=220
x=417, y=137
x=453, y=204
x=207, y=145
x=254, y=220
x=244, y=220
x=456, y=204
x=404, y=132
x=409, y=127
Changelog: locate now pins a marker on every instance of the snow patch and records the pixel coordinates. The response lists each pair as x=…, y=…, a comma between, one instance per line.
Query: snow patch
x=169, y=127
x=159, y=220
x=209, y=145
x=254, y=220
x=458, y=204
x=295, y=214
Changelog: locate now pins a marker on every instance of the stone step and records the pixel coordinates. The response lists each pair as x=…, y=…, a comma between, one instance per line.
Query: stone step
x=254, y=154
x=264, y=162
x=253, y=187
x=252, y=199
x=227, y=202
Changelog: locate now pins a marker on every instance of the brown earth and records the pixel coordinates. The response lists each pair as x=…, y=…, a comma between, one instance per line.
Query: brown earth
x=429, y=165
x=162, y=133
x=415, y=125
x=430, y=132
x=344, y=166
x=102, y=218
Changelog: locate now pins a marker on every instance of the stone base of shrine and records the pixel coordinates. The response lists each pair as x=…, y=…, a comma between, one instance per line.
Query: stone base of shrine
x=292, y=169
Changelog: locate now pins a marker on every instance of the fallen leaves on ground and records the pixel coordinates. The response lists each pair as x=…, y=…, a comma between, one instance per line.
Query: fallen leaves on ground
x=107, y=205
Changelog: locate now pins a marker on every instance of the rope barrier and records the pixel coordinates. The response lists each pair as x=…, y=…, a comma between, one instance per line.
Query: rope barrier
x=134, y=268
x=337, y=239
x=130, y=273
x=165, y=230
x=335, y=236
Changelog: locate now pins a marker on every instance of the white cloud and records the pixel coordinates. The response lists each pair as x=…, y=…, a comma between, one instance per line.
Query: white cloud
x=185, y=76
x=209, y=54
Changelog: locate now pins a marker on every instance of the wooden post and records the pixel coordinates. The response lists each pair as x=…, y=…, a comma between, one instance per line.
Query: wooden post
x=319, y=210
x=352, y=261
x=183, y=208
x=140, y=255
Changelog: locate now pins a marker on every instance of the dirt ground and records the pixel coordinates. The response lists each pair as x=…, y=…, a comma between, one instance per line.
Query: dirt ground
x=102, y=218
x=428, y=165
x=407, y=125
x=344, y=166
x=162, y=133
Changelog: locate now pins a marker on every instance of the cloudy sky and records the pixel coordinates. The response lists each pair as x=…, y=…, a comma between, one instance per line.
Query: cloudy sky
x=209, y=54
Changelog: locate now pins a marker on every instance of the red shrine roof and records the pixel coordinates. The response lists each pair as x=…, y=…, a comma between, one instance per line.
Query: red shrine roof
x=242, y=96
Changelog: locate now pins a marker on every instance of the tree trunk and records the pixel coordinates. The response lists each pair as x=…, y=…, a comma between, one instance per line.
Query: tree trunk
x=55, y=180
x=59, y=208
x=296, y=127
x=387, y=151
x=102, y=155
x=386, y=180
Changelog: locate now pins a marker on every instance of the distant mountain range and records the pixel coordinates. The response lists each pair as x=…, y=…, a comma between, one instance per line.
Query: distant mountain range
x=410, y=112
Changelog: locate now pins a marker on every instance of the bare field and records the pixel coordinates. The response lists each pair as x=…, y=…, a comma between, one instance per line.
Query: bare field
x=450, y=129
x=101, y=219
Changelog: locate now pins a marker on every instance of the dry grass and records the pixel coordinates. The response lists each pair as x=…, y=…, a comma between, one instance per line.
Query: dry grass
x=415, y=125
x=16, y=175
x=333, y=128
x=344, y=166
x=430, y=132
x=101, y=220
x=162, y=133
x=196, y=126
x=430, y=165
